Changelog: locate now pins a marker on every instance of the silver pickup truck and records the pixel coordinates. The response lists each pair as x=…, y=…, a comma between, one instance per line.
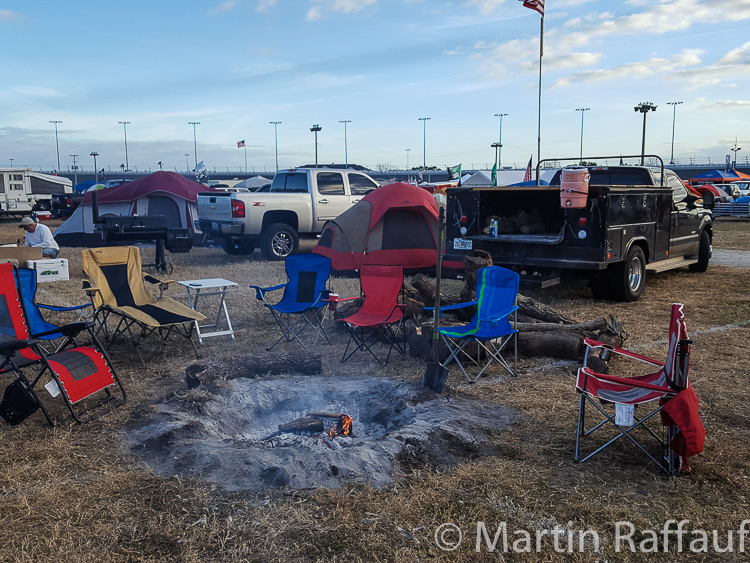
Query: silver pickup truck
x=298, y=202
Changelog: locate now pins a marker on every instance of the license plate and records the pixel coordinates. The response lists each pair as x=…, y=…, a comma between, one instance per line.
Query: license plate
x=461, y=244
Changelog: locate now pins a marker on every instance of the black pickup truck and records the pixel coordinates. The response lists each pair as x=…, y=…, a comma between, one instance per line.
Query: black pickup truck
x=636, y=219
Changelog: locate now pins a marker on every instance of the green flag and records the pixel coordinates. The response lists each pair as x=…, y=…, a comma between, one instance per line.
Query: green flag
x=494, y=174
x=454, y=172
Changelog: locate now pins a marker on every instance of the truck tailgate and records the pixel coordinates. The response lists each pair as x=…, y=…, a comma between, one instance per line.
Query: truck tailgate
x=215, y=206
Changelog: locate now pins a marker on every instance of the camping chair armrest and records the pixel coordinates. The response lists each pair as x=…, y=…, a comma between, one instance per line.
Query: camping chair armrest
x=70, y=329
x=339, y=300
x=90, y=289
x=591, y=343
x=152, y=280
x=261, y=291
x=503, y=315
x=60, y=308
x=322, y=298
x=11, y=346
x=450, y=307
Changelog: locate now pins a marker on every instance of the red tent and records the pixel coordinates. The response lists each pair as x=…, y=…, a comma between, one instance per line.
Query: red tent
x=166, y=182
x=393, y=225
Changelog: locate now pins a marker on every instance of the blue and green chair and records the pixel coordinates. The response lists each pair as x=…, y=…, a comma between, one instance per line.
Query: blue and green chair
x=492, y=328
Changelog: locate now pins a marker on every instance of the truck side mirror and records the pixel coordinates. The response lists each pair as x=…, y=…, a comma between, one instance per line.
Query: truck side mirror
x=709, y=199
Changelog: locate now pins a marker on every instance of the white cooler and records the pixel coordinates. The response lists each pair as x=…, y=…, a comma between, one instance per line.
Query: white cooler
x=49, y=269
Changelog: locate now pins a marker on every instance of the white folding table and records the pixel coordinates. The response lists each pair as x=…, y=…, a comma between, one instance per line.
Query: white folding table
x=209, y=288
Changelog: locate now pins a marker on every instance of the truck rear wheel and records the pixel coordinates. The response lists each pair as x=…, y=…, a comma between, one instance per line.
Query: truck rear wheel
x=237, y=247
x=278, y=241
x=629, y=276
x=704, y=254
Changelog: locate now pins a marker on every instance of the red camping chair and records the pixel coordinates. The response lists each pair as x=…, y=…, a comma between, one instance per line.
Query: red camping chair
x=83, y=375
x=668, y=384
x=381, y=315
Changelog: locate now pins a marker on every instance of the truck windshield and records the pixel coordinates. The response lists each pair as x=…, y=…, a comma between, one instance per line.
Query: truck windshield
x=289, y=182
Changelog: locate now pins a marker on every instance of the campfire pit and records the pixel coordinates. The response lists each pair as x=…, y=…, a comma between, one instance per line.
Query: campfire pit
x=293, y=433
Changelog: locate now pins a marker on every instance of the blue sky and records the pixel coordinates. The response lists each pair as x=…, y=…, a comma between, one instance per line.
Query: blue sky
x=235, y=65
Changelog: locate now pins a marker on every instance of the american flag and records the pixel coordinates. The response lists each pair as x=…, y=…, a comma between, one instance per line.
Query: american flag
x=240, y=144
x=527, y=176
x=537, y=5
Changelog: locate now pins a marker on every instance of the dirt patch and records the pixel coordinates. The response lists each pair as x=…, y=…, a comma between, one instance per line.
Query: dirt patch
x=224, y=433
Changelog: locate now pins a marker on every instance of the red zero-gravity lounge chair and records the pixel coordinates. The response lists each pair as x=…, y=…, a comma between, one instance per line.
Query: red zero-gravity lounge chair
x=666, y=383
x=83, y=374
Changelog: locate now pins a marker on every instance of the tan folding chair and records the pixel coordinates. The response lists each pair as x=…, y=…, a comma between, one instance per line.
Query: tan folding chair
x=124, y=307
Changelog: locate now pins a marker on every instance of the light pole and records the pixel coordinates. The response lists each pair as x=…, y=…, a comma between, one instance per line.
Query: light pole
x=498, y=154
x=75, y=167
x=644, y=108
x=734, y=150
x=424, y=140
x=11, y=162
x=582, y=110
x=407, y=158
x=346, y=153
x=195, y=142
x=96, y=170
x=674, y=114
x=57, y=145
x=276, y=141
x=187, y=165
x=315, y=128
x=125, y=130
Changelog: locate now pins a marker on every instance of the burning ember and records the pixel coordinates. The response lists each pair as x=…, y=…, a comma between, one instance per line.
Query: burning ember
x=316, y=423
x=342, y=428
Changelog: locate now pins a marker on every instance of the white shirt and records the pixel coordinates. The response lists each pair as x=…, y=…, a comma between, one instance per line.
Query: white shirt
x=41, y=237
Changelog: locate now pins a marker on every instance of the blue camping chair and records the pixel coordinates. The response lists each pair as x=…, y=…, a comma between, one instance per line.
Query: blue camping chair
x=304, y=296
x=26, y=282
x=490, y=328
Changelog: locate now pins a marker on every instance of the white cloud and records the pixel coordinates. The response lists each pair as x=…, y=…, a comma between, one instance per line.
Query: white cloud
x=637, y=69
x=739, y=56
x=486, y=6
x=346, y=6
x=224, y=6
x=9, y=15
x=265, y=5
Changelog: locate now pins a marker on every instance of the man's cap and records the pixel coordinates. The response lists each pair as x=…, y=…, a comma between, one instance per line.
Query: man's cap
x=26, y=221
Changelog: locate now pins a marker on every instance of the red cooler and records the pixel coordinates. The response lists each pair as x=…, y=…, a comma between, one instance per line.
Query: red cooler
x=574, y=187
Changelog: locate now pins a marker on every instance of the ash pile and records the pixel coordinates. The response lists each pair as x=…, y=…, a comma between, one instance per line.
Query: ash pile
x=297, y=432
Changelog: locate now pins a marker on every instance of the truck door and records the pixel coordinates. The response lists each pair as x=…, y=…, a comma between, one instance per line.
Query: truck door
x=331, y=199
x=684, y=237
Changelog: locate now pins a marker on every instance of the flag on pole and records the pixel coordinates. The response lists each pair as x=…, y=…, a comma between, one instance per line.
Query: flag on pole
x=494, y=174
x=240, y=144
x=537, y=5
x=527, y=176
x=454, y=172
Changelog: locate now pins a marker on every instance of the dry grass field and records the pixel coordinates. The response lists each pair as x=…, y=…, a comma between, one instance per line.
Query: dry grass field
x=76, y=493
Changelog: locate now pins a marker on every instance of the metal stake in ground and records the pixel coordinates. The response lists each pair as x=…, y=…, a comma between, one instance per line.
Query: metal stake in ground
x=435, y=374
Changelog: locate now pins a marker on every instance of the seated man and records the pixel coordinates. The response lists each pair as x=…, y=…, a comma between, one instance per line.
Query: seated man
x=39, y=235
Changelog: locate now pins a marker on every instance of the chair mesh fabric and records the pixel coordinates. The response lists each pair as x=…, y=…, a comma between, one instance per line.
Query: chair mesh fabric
x=27, y=283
